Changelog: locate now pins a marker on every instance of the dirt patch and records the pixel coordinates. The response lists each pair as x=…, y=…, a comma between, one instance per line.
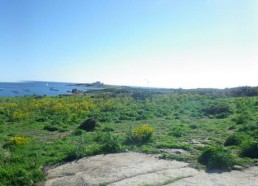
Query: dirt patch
x=175, y=151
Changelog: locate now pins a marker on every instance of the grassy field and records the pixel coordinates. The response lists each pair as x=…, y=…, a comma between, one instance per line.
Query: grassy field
x=216, y=130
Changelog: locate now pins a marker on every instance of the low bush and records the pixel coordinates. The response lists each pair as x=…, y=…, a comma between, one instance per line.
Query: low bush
x=216, y=158
x=177, y=131
x=248, y=127
x=78, y=132
x=141, y=134
x=19, y=168
x=232, y=127
x=193, y=126
x=78, y=151
x=50, y=128
x=19, y=176
x=218, y=110
x=107, y=128
x=15, y=141
x=242, y=118
x=249, y=149
x=41, y=119
x=149, y=149
x=74, y=155
x=111, y=143
x=89, y=125
x=235, y=139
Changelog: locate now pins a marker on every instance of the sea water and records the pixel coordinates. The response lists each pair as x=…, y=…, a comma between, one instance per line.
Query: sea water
x=39, y=88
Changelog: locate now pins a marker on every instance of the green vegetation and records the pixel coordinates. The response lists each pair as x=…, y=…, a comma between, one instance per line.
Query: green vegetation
x=250, y=149
x=37, y=132
x=217, y=158
x=235, y=139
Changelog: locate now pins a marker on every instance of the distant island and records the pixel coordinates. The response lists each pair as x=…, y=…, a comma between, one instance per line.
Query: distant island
x=97, y=83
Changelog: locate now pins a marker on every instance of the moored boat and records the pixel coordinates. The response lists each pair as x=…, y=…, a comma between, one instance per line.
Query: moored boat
x=54, y=89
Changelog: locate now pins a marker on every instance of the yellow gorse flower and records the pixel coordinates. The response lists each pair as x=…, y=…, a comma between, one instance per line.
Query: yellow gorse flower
x=17, y=140
x=142, y=132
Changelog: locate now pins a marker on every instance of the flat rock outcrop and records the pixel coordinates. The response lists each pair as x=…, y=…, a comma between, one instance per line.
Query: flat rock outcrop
x=137, y=169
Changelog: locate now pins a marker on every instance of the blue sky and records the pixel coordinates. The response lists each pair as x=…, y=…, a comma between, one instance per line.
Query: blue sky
x=157, y=43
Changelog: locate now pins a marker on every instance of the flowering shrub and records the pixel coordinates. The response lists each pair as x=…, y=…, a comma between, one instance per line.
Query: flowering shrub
x=17, y=140
x=19, y=115
x=142, y=133
x=20, y=109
